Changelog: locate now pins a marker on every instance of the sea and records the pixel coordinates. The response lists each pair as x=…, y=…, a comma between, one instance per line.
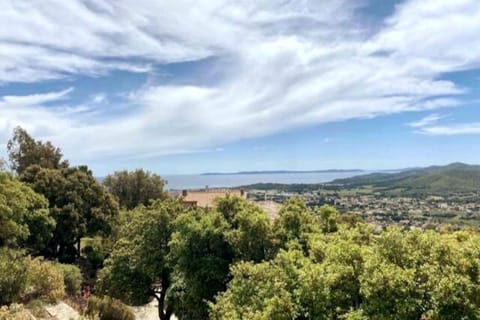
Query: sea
x=199, y=181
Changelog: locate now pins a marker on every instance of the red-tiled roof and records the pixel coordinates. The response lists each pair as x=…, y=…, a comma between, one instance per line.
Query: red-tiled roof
x=207, y=198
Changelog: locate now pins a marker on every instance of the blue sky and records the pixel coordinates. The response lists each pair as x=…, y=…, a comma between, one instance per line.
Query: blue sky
x=194, y=86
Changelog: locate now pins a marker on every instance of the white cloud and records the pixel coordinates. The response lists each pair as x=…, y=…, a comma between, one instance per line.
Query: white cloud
x=29, y=112
x=454, y=129
x=283, y=66
x=427, y=120
x=34, y=99
x=99, y=98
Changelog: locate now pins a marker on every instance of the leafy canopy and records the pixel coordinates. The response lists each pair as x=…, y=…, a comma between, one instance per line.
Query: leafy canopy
x=24, y=151
x=133, y=188
x=24, y=215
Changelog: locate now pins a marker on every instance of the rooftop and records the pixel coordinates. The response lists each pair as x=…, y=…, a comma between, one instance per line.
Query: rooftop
x=207, y=198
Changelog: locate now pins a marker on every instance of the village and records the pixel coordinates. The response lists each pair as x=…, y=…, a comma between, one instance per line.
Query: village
x=381, y=210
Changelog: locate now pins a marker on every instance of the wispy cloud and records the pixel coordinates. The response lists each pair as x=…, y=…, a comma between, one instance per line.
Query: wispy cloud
x=283, y=66
x=426, y=121
x=34, y=99
x=454, y=129
x=99, y=98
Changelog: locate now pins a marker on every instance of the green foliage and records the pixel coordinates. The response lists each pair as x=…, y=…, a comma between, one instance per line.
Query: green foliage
x=24, y=151
x=45, y=280
x=37, y=308
x=94, y=255
x=250, y=234
x=123, y=278
x=26, y=278
x=106, y=308
x=24, y=217
x=133, y=188
x=257, y=291
x=13, y=275
x=72, y=277
x=230, y=263
x=14, y=312
x=230, y=206
x=328, y=218
x=79, y=204
x=295, y=223
x=353, y=274
x=140, y=258
x=201, y=256
x=252, y=239
x=453, y=178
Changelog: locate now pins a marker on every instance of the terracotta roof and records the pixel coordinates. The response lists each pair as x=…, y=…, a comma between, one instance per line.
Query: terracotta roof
x=207, y=198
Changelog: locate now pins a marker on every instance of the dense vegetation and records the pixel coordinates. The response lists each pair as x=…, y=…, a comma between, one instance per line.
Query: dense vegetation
x=233, y=263
x=46, y=208
x=230, y=262
x=133, y=188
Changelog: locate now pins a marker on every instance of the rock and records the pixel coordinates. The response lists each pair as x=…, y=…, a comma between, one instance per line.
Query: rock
x=62, y=311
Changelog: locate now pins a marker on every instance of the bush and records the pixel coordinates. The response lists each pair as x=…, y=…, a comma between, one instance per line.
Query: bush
x=13, y=275
x=106, y=308
x=95, y=255
x=69, y=255
x=14, y=312
x=37, y=309
x=72, y=278
x=45, y=280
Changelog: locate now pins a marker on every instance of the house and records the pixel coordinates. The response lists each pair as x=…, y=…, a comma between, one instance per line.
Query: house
x=207, y=198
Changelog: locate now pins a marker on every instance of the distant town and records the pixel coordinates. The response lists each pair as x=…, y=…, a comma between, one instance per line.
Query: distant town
x=381, y=210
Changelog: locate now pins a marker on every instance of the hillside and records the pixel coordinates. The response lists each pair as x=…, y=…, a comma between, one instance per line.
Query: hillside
x=278, y=172
x=452, y=178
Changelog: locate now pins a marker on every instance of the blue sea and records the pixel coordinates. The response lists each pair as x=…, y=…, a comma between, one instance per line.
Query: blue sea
x=179, y=182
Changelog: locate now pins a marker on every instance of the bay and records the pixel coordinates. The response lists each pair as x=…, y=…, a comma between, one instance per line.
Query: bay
x=199, y=181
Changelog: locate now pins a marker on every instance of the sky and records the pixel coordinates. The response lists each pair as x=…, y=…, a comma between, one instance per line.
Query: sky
x=219, y=86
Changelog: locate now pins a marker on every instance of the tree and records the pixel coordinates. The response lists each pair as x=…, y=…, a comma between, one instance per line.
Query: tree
x=138, y=267
x=328, y=218
x=353, y=274
x=182, y=256
x=24, y=151
x=201, y=255
x=295, y=223
x=24, y=215
x=133, y=188
x=250, y=232
x=79, y=204
x=257, y=291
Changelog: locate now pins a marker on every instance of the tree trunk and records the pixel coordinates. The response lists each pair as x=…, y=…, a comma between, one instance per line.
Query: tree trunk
x=163, y=314
x=78, y=247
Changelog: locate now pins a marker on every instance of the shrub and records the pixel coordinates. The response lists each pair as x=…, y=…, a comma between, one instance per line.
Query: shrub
x=95, y=255
x=14, y=312
x=45, y=280
x=106, y=308
x=37, y=309
x=72, y=278
x=13, y=275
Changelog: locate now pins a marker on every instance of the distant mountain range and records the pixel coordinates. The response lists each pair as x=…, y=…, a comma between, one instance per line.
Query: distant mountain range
x=455, y=177
x=279, y=172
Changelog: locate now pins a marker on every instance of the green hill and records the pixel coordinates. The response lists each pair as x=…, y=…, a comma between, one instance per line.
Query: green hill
x=452, y=178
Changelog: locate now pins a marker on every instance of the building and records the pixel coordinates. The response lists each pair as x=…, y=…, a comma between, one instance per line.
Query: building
x=207, y=198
